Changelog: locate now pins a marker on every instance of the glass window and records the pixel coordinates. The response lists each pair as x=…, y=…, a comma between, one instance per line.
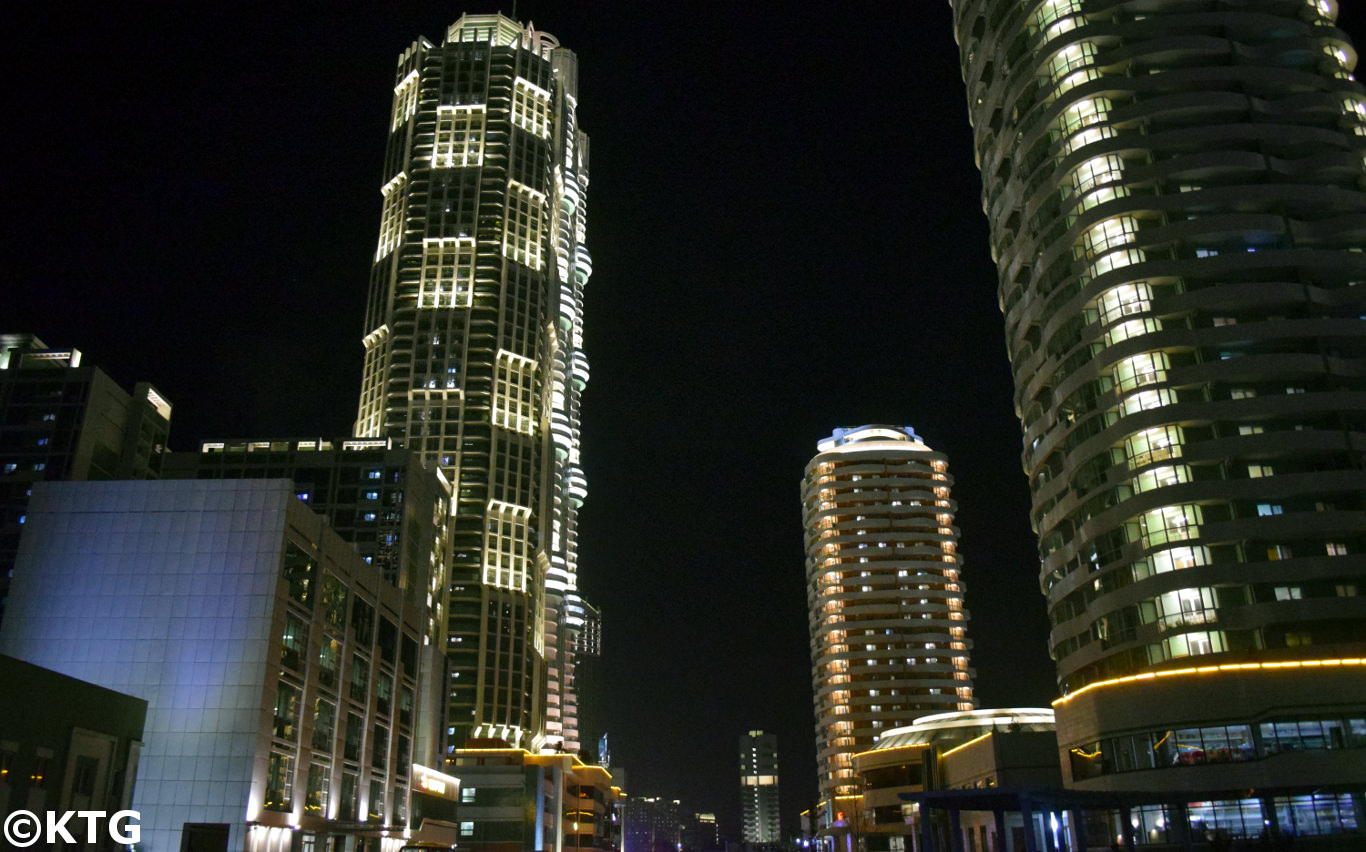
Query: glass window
x=329, y=657
x=379, y=755
x=279, y=782
x=294, y=642
x=384, y=693
x=286, y=710
x=376, y=799
x=299, y=571
x=348, y=806
x=324, y=724
x=360, y=679
x=355, y=730
x=334, y=602
x=319, y=778
x=363, y=622
x=388, y=640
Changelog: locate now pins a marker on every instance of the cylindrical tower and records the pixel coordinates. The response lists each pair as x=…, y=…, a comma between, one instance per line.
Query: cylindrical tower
x=885, y=599
x=1175, y=192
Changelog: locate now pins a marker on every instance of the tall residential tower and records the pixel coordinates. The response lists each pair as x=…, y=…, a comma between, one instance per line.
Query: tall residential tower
x=473, y=352
x=885, y=599
x=1175, y=192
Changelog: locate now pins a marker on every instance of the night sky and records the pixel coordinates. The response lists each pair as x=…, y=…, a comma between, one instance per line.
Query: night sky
x=787, y=237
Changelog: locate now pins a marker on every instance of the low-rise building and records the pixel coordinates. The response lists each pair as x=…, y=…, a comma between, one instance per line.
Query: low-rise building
x=281, y=671
x=513, y=800
x=67, y=745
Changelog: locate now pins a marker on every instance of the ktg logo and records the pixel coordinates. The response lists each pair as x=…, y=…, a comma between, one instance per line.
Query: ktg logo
x=25, y=828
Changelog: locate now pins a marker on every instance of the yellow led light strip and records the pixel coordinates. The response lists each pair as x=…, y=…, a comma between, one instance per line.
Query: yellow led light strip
x=1228, y=667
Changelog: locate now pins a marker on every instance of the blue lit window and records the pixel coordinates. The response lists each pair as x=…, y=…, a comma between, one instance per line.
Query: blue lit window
x=372, y=495
x=373, y=474
x=303, y=495
x=42, y=442
x=11, y=467
x=369, y=516
x=23, y=518
x=40, y=465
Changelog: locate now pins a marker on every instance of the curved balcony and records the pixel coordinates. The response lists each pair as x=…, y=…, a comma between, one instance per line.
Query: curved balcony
x=577, y=486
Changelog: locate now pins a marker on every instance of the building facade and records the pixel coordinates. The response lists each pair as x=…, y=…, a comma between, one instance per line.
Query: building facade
x=473, y=351
x=997, y=750
x=884, y=591
x=62, y=417
x=513, y=800
x=760, y=821
x=280, y=671
x=67, y=745
x=651, y=824
x=1176, y=196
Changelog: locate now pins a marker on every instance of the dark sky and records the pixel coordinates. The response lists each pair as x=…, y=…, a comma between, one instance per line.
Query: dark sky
x=787, y=237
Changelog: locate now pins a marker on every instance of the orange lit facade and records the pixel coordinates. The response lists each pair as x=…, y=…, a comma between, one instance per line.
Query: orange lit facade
x=888, y=626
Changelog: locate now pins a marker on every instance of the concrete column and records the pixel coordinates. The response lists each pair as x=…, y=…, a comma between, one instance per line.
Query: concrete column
x=1002, y=839
x=1027, y=813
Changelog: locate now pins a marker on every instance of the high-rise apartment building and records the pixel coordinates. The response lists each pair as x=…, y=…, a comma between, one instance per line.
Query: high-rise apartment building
x=759, y=816
x=885, y=596
x=473, y=351
x=1176, y=194
x=62, y=417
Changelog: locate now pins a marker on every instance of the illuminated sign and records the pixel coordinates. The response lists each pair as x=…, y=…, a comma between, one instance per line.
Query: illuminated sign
x=436, y=783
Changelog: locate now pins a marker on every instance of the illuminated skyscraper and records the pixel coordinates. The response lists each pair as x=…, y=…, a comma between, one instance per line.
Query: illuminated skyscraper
x=472, y=351
x=1175, y=192
x=759, y=816
x=885, y=599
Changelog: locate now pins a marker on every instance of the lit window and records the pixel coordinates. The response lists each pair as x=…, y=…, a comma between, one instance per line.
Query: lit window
x=514, y=393
x=1336, y=549
x=531, y=108
x=522, y=229
x=405, y=100
x=507, y=547
x=391, y=217
x=447, y=273
x=459, y=137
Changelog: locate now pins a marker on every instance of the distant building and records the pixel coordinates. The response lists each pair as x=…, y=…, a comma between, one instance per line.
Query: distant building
x=513, y=800
x=885, y=593
x=651, y=824
x=281, y=672
x=701, y=833
x=64, y=418
x=760, y=820
x=66, y=745
x=586, y=678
